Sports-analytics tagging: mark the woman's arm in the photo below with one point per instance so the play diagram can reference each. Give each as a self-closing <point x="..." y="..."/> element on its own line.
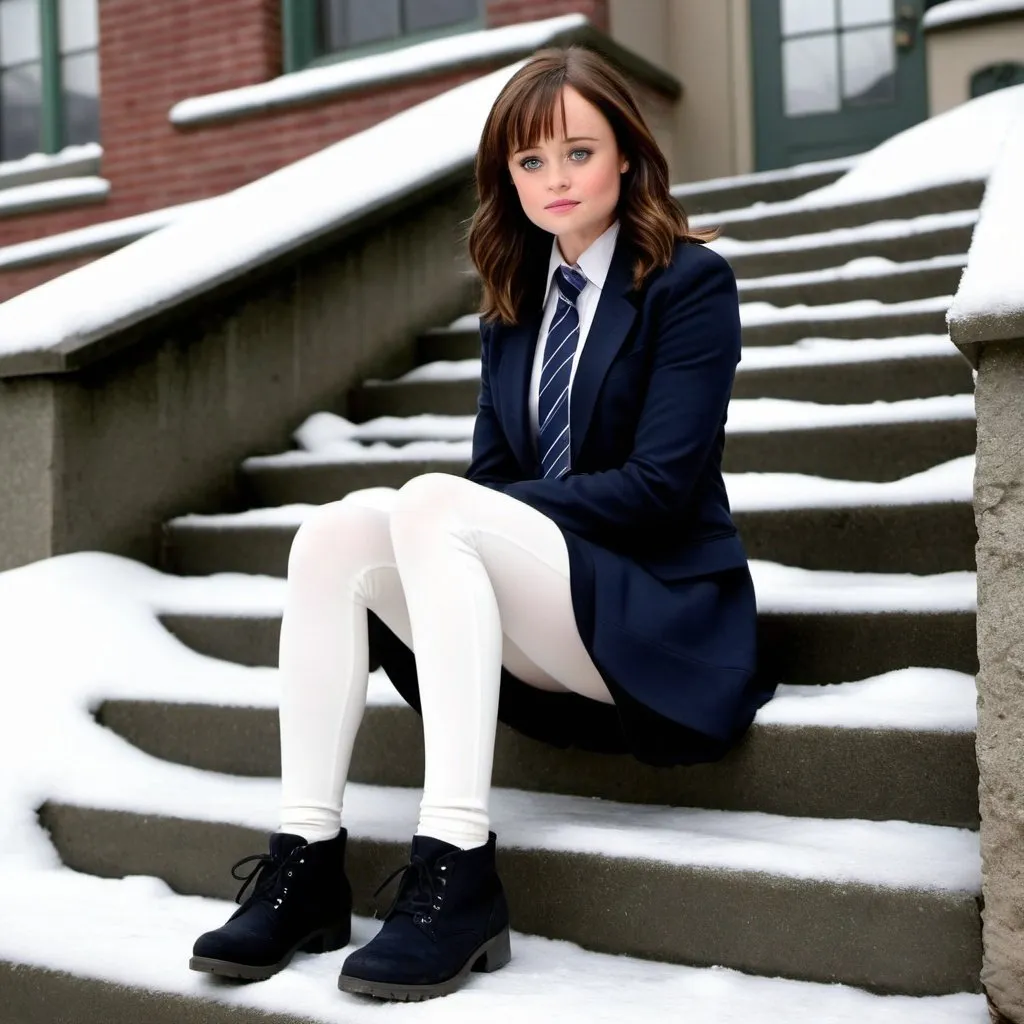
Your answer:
<point x="493" y="463"/>
<point x="696" y="352"/>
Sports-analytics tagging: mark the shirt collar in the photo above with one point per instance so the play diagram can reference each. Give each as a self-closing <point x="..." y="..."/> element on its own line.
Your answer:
<point x="594" y="261"/>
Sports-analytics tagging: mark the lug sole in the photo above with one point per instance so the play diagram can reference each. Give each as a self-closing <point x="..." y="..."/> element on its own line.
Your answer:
<point x="324" y="940"/>
<point x="489" y="956"/>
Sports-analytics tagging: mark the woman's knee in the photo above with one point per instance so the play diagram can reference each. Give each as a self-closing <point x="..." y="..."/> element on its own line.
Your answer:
<point x="340" y="533"/>
<point x="430" y="499"/>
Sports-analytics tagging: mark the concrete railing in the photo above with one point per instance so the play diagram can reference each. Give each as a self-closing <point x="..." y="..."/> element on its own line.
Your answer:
<point x="986" y="322"/>
<point x="150" y="421"/>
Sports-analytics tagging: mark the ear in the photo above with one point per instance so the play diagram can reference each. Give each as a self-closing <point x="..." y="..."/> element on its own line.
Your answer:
<point x="625" y="167"/>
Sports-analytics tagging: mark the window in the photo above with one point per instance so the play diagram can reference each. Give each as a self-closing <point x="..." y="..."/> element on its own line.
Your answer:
<point x="317" y="31"/>
<point x="996" y="76"/>
<point x="49" y="75"/>
<point x="837" y="54"/>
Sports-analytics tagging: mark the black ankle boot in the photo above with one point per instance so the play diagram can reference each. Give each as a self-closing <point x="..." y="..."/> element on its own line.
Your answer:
<point x="301" y="900"/>
<point x="448" y="918"/>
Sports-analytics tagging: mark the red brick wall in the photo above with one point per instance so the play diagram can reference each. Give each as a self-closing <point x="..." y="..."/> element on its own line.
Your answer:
<point x="154" y="53"/>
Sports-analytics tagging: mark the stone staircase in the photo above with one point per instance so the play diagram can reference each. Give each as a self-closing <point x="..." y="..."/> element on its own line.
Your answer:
<point x="838" y="843"/>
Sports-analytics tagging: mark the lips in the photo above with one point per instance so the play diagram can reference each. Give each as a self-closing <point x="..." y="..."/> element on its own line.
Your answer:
<point x="559" y="205"/>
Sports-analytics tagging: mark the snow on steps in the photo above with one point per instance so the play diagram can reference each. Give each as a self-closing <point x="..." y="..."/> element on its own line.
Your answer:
<point x="117" y="967"/>
<point x="876" y="441"/>
<point x="814" y="627"/>
<point x="762" y="323"/>
<point x="800" y="217"/>
<point x="891" y="906"/>
<point x="824" y="370"/>
<point x="896" y="747"/>
<point x="914" y="238"/>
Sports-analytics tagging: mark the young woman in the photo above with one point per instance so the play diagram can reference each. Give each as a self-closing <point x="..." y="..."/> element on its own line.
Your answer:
<point x="583" y="582"/>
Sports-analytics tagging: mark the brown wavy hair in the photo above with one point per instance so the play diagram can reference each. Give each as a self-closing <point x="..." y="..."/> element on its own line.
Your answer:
<point x="504" y="244"/>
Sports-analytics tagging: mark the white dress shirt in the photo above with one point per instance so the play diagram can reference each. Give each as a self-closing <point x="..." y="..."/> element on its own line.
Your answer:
<point x="594" y="262"/>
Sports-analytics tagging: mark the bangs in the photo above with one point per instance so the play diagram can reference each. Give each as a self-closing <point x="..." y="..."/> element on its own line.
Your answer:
<point x="533" y="114"/>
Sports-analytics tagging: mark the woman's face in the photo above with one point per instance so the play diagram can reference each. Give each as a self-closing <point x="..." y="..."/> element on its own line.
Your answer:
<point x="583" y="165"/>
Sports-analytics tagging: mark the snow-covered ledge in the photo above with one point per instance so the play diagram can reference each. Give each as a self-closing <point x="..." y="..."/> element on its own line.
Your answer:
<point x="989" y="303"/>
<point x="447" y="54"/>
<point x="70" y="162"/>
<point x="986" y="321"/>
<point x="958" y="13"/>
<point x="50" y="195"/>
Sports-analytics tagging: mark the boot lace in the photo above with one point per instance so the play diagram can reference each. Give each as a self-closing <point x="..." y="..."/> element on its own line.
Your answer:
<point x="421" y="896"/>
<point x="268" y="870"/>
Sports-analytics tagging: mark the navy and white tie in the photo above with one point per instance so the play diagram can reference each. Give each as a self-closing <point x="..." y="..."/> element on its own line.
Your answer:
<point x="559" y="349"/>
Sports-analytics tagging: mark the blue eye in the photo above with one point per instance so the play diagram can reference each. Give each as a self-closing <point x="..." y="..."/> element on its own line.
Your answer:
<point x="526" y="160"/>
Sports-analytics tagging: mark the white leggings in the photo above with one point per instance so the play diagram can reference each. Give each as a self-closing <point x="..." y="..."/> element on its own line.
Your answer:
<point x="470" y="579"/>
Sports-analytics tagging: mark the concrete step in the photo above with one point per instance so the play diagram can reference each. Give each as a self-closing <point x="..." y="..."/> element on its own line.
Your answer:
<point x="864" y="750"/>
<point x="890" y="906"/>
<point x="917" y="238"/>
<point x="937" y="370"/>
<point x="866" y="451"/>
<point x="805" y="647"/>
<point x="926" y="537"/>
<point x="868" y="279"/>
<point x="714" y="194"/>
<point x="125" y="977"/>
<point x="762" y="325"/>
<point x="798" y="217"/>
<point x="33" y="993"/>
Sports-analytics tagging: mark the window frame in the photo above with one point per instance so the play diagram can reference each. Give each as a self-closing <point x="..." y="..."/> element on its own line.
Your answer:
<point x="298" y="23"/>
<point x="51" y="136"/>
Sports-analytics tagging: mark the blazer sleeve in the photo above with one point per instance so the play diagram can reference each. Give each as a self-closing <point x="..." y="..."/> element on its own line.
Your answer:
<point x="493" y="462"/>
<point x="697" y="347"/>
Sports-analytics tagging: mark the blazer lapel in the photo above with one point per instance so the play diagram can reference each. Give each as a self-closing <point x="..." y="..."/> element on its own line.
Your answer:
<point x="612" y="320"/>
<point x="517" y="345"/>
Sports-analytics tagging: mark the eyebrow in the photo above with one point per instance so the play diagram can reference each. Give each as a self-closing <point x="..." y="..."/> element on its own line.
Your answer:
<point x="575" y="138"/>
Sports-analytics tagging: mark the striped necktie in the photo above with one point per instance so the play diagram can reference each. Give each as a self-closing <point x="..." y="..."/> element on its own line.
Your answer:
<point x="559" y="349"/>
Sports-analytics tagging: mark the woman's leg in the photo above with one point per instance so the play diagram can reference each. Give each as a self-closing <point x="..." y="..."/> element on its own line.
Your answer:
<point x="486" y="582"/>
<point x="341" y="562"/>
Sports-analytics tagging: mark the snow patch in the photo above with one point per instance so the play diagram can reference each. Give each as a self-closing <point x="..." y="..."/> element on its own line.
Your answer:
<point x="991" y="286"/>
<point x="952" y="12"/>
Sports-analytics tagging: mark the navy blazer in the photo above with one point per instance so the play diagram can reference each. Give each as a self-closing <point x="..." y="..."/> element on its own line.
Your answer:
<point x="661" y="589"/>
<point x="647" y="417"/>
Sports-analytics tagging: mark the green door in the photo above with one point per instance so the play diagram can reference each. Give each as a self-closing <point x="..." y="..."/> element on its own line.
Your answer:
<point x="834" y="77"/>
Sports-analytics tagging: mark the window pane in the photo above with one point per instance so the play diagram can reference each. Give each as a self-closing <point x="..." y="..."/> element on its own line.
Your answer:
<point x="810" y="74"/>
<point x="81" y="98"/>
<point x="331" y="25"/>
<point x="869" y="66"/>
<point x="807" y="16"/>
<point x="19" y="31"/>
<point x="79" y="25"/>
<point x="426" y="14"/>
<point x="21" y="108"/>
<point x="372" y="20"/>
<point x="865" y="12"/>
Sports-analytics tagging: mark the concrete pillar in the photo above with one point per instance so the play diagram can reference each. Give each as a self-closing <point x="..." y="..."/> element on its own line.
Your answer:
<point x="999" y="511"/>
